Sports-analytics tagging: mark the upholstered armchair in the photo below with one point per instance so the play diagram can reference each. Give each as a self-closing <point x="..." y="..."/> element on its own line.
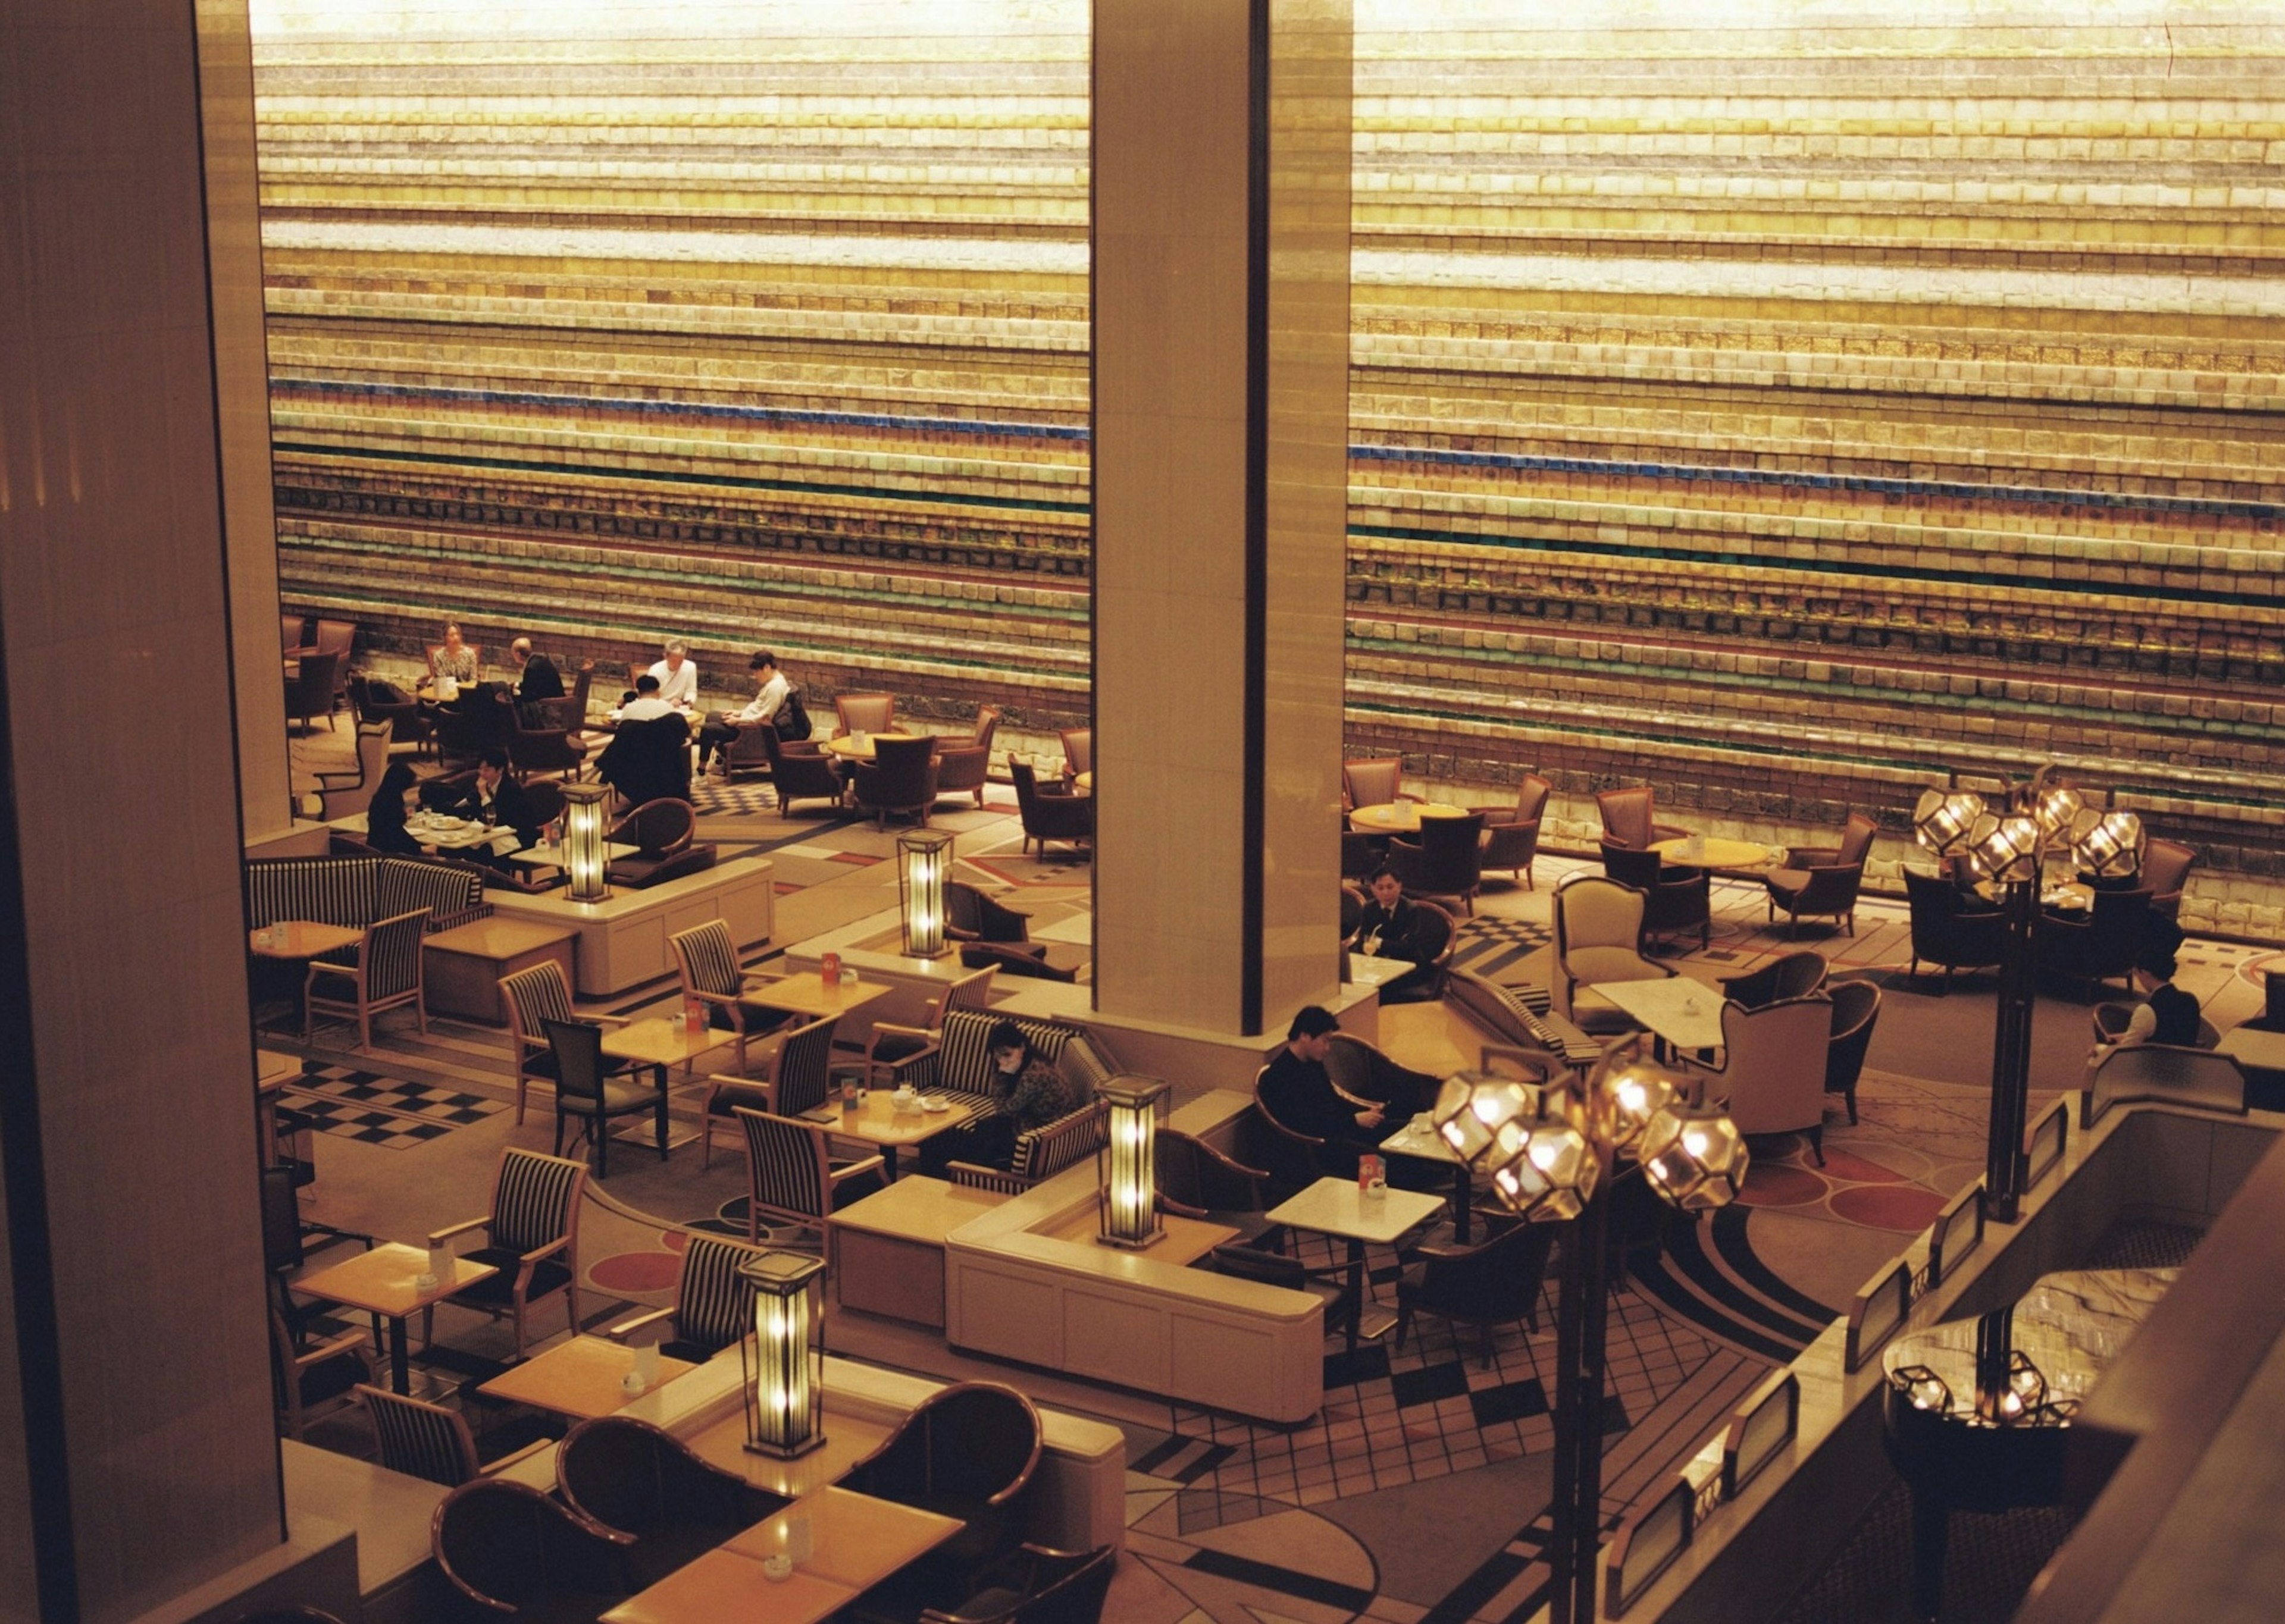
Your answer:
<point x="1599" y="933"/>
<point x="900" y="777"/>
<point x="371" y="700"/>
<point x="1197" y="1180"/>
<point x="972" y="916"/>
<point x="749" y="751"/>
<point x="663" y="833"/>
<point x="870" y="713"/>
<point x="1494" y="1282"/>
<point x="961" y="768"/>
<point x="289" y="632"/>
<point x="1771" y="1078"/>
<point x="1674" y="898"/>
<point x="799" y="774"/>
<point x="2094" y="945"/>
<point x="1050" y="814"/>
<point x="531" y="1236"/>
<point x="337" y="637"/>
<point x="2166" y="864"/>
<point x="1792" y="975"/>
<point x="511" y="1550"/>
<point x="1948" y="934"/>
<point x="1448" y="860"/>
<point x="1855" y="1010"/>
<point x="1630" y="819"/>
<point x="309" y="691"/>
<point x="792" y="1175"/>
<point x="1078" y="751"/>
<point x="1372" y="781"/>
<point x="543" y="748"/>
<point x="1511" y="838"/>
<point x="967" y="1451"/>
<point x="634" y="1477"/>
<point x="1823" y="883"/>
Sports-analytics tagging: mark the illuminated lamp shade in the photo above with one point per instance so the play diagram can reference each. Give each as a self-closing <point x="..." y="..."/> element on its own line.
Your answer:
<point x="1694" y="1157"/>
<point x="783" y="1367"/>
<point x="1475" y="1109"/>
<point x="1944" y="820"/>
<point x="1923" y="1388"/>
<point x="1633" y="1093"/>
<point x="1126" y="1197"/>
<point x="2111" y="847"/>
<point x="585" y="851"/>
<point x="2055" y="810"/>
<point x="922" y="855"/>
<point x="2020" y="1394"/>
<point x="2008" y="849"/>
<point x="1550" y="1175"/>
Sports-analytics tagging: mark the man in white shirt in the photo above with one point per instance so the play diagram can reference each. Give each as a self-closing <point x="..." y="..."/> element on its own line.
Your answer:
<point x="647" y="703"/>
<point x="762" y="712"/>
<point x="678" y="677"/>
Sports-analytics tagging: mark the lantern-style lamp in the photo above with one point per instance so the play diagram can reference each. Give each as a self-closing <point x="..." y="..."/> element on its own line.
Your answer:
<point x="2111" y="846"/>
<point x="1128" y="1199"/>
<point x="1944" y="820"/>
<point x="585" y="849"/>
<point x="1693" y="1156"/>
<point x="1550" y="1177"/>
<point x="782" y="1362"/>
<point x="923" y="856"/>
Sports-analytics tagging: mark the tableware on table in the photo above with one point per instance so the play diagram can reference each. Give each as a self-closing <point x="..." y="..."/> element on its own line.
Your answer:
<point x="777" y="1569"/>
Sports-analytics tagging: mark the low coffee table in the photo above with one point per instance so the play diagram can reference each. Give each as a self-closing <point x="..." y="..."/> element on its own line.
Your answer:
<point x="1748" y="857"/>
<point x="1683" y="1014"/>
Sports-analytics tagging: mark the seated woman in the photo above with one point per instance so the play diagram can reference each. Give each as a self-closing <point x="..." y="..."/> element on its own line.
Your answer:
<point x="1027" y="1092"/>
<point x="1392" y="928"/>
<point x="454" y="658"/>
<point x="396" y="794"/>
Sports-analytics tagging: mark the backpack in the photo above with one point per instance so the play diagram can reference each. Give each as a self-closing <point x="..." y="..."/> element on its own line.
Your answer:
<point x="792" y="721"/>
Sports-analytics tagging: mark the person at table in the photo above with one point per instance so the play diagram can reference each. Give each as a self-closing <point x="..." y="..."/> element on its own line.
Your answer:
<point x="678" y="677"/>
<point x="1027" y="1092"/>
<point x="649" y="758"/>
<point x="1298" y="1093"/>
<point x="1394" y="927"/>
<point x="397" y="793"/>
<point x="497" y="801"/>
<point x="722" y="728"/>
<point x="453" y="658"/>
<point x="644" y="704"/>
<point x="2166" y="1013"/>
<point x="539" y="679"/>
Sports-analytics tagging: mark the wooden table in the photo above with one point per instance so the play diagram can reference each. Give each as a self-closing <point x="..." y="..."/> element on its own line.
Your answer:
<point x="1367" y="970"/>
<point x="807" y="994"/>
<point x="272" y="1072"/>
<point x="447" y="833"/>
<point x="1339" y="1208"/>
<point x="1419" y="1139"/>
<point x="1399" y="817"/>
<point x="663" y="1040"/>
<point x="300" y="938"/>
<point x="460" y="969"/>
<point x="848" y="748"/>
<point x="1683" y="1014"/>
<point x="887" y="1250"/>
<point x="382" y="1282"/>
<point x="1723" y="856"/>
<point x="848" y="1439"/>
<point x="879" y="1124"/>
<point x="580" y="1378"/>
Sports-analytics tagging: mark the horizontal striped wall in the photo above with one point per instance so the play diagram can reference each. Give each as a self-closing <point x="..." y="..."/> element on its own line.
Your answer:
<point x="1774" y="412"/>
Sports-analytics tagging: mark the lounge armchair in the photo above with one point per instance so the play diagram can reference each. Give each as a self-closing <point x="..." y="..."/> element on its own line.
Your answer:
<point x="1373" y="782"/>
<point x="1493" y="1283"/>
<point x="961" y="767"/>
<point x="1674" y="897"/>
<point x="1822" y="884"/>
<point x="1599" y="931"/>
<point x="800" y="773"/>
<point x="1855" y="1010"/>
<point x="1051" y="814"/>
<point x="1511" y="838"/>
<point x="1949" y="934"/>
<point x="1448" y="860"/>
<point x="1630" y="818"/>
<point x="900" y="777"/>
<point x="1771" y="1078"/>
<point x="1792" y="975"/>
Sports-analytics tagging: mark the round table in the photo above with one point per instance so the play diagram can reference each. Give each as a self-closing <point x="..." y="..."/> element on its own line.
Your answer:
<point x="1399" y="817"/>
<point x="1718" y="853"/>
<point x="849" y="748"/>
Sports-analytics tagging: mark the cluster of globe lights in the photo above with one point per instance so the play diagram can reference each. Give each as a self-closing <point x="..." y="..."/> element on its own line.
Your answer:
<point x="1546" y="1146"/>
<point x="2006" y="845"/>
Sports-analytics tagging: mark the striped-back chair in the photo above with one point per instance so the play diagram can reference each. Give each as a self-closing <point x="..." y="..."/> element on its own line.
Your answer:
<point x="713" y="1307"/>
<point x="797" y="1076"/>
<point x="895" y="1049"/>
<point x="962" y="1059"/>
<point x="422" y="1440"/>
<point x="791" y="1174"/>
<point x="531" y="1238"/>
<point x="385" y="974"/>
<point x="707" y="957"/>
<point x="535" y="997"/>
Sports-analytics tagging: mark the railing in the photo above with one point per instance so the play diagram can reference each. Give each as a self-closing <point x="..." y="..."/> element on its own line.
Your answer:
<point x="1956" y="1233"/>
<point x="1879" y="1309"/>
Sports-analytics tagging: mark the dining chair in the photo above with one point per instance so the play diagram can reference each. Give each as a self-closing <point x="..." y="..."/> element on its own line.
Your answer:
<point x="1856" y="1011"/>
<point x="1630" y="818"/>
<point x="1036" y="1585"/>
<point x="797" y="1076"/>
<point x="384" y="973"/>
<point x="967" y="1451"/>
<point x="1512" y="837"/>
<point x="289" y="631"/>
<point x="792" y="1175"/>
<point x="901" y="778"/>
<point x="531" y="1237"/>
<point x="337" y="637"/>
<point x="309" y="1374"/>
<point x="1447" y="859"/>
<point x="342" y="794"/>
<point x="513" y="1551"/>
<point x="1493" y="1283"/>
<point x="706" y="958"/>
<point x="595" y="1088"/>
<point x="713" y="1306"/>
<point x="863" y="712"/>
<point x="1771" y="1078"/>
<point x="895" y="1052"/>
<point x="309" y="691"/>
<point x="1373" y="782"/>
<point x="632" y="1478"/>
<point x="1599" y="933"/>
<point x="535" y="997"/>
<point x="422" y="1440"/>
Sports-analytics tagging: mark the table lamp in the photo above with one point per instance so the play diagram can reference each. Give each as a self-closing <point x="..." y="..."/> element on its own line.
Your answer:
<point x="584" y="847"/>
<point x="781" y="1365"/>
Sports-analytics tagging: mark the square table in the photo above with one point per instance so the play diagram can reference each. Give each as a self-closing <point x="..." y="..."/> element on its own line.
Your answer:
<point x="2259" y="1051"/>
<point x="661" y="1040"/>
<point x="856" y="1539"/>
<point x="1339" y="1208"/>
<point x="806" y="995"/>
<point x="877" y="1122"/>
<point x="1419" y="1139"/>
<point x="1684" y="1013"/>
<point x="1366" y="969"/>
<point x="579" y="1378"/>
<point x="382" y="1282"/>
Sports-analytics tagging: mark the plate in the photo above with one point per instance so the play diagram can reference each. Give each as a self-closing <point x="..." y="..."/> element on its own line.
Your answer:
<point x="935" y="1105"/>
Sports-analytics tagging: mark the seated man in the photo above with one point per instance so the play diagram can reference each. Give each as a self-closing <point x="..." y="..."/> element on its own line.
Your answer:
<point x="540" y="679"/>
<point x="1296" y="1091"/>
<point x="762" y="710"/>
<point x="678" y="677"/>
<point x="644" y="704"/>
<point x="1394" y="928"/>
<point x="497" y="801"/>
<point x="648" y="758"/>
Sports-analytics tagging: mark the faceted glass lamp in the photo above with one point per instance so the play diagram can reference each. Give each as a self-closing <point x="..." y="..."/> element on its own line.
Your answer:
<point x="1944" y="818"/>
<point x="1694" y="1157"/>
<point x="2055" y="809"/>
<point x="1127" y="1198"/>
<point x="1552" y="1174"/>
<point x="1923" y="1388"/>
<point x="782" y="1368"/>
<point x="585" y="851"/>
<point x="2007" y="849"/>
<point x="2112" y="847"/>
<point x="1632" y="1093"/>
<point x="923" y="856"/>
<point x="1472" y="1107"/>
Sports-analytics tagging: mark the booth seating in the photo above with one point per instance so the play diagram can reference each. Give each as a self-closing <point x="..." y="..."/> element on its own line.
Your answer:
<point x="960" y="1061"/>
<point x="356" y="891"/>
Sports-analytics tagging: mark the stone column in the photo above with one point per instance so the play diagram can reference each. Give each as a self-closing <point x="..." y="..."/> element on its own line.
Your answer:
<point x="1221" y="404"/>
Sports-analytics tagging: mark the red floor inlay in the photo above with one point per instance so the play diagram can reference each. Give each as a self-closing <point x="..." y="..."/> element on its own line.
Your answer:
<point x="1777" y="1185"/>
<point x="1904" y="1207"/>
<point x="636" y="1271"/>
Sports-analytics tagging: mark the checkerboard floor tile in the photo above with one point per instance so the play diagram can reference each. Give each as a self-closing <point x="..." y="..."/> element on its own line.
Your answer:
<point x="383" y="1111"/>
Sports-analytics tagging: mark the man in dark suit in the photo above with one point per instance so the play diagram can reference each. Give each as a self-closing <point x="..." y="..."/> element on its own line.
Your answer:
<point x="495" y="799"/>
<point x="540" y="679"/>
<point x="1392" y="927"/>
<point x="1298" y="1093"/>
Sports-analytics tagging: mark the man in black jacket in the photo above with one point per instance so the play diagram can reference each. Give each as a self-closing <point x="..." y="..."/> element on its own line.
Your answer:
<point x="1392" y="927"/>
<point x="540" y="679"/>
<point x="2167" y="1014"/>
<point x="1298" y="1093"/>
<point x="495" y="799"/>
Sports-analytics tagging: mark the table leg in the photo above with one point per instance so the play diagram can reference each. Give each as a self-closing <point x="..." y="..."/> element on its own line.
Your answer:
<point x="400" y="1359"/>
<point x="1356" y="1293"/>
<point x="889" y="1164"/>
<point x="661" y="1070"/>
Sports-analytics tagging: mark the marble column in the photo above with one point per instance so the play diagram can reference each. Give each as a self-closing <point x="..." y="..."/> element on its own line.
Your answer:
<point x="1220" y="408"/>
<point x="137" y="1457"/>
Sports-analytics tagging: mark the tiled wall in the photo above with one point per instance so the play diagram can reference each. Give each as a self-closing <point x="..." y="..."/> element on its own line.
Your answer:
<point x="1774" y="402"/>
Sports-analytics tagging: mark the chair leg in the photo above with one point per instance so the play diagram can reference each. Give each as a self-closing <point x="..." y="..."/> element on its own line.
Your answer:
<point x="559" y="1129"/>
<point x="523" y="1084"/>
<point x="1403" y="1323"/>
<point x="1817" y="1142"/>
<point x="1487" y="1331"/>
<point x="571" y="1307"/>
<point x="1851" y="1097"/>
<point x="598" y="1135"/>
<point x="365" y="1027"/>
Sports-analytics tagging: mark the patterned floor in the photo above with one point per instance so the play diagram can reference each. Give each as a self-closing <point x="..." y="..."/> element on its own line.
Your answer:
<point x="381" y="1111"/>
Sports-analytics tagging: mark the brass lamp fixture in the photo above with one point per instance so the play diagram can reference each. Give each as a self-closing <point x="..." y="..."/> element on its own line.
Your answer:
<point x="782" y="1363"/>
<point x="585" y="849"/>
<point x="923" y="856"/>
<point x="1127" y="1198"/>
<point x="1554" y="1144"/>
<point x="2009" y="841"/>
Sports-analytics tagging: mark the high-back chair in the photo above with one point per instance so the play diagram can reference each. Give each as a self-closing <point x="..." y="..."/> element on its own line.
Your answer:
<point x="634" y="1477"/>
<point x="2166" y="865"/>
<point x="309" y="691"/>
<point x="1035" y="1585"/>
<point x="792" y="1175"/>
<point x="900" y="777"/>
<point x="797" y="1076"/>
<point x="1078" y="750"/>
<point x="535" y="997"/>
<point x="422" y="1440"/>
<point x="1823" y="883"/>
<point x="1789" y="975"/>
<point x="871" y="713"/>
<point x="893" y="1051"/>
<point x="1675" y="897"/>
<point x="1599" y="931"/>
<point x="289" y="631"/>
<point x="1630" y="818"/>
<point x="513" y="1551"/>
<point x="593" y="1087"/>
<point x="706" y="956"/>
<point x="1050" y="816"/>
<point x="342" y="794"/>
<point x="384" y="975"/>
<point x="1511" y="838"/>
<point x="531" y="1236"/>
<point x="1856" y="1011"/>
<point x="712" y="1306"/>
<point x="1448" y="859"/>
<point x="1373" y="782"/>
<point x="1773" y="1072"/>
<point x="1493" y="1283"/>
<point x="966" y="1451"/>
<point x="803" y="774"/>
<point x="1948" y="935"/>
<point x="962" y="768"/>
<point x="337" y="637"/>
<point x="2092" y="946"/>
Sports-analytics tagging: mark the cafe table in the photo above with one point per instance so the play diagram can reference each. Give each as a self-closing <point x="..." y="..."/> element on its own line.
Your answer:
<point x="663" y="1040"/>
<point x="1399" y="817"/>
<point x="301" y="938"/>
<point x="807" y="994"/>
<point x="581" y="1379"/>
<point x="854" y="747"/>
<point x="385" y="1281"/>
<point x="877" y="1122"/>
<point x="1419" y="1139"/>
<point x="1686" y="1014"/>
<point x="1722" y="856"/>
<point x="1336" y="1207"/>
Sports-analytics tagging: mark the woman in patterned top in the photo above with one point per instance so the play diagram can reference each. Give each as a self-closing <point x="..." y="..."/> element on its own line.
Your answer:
<point x="1027" y="1092"/>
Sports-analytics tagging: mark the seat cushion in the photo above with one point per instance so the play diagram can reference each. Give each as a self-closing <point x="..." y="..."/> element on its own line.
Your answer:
<point x="1788" y="882"/>
<point x="753" y="1097"/>
<point x="330" y="1379"/>
<point x="623" y="1094"/>
<point x="500" y="1289"/>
